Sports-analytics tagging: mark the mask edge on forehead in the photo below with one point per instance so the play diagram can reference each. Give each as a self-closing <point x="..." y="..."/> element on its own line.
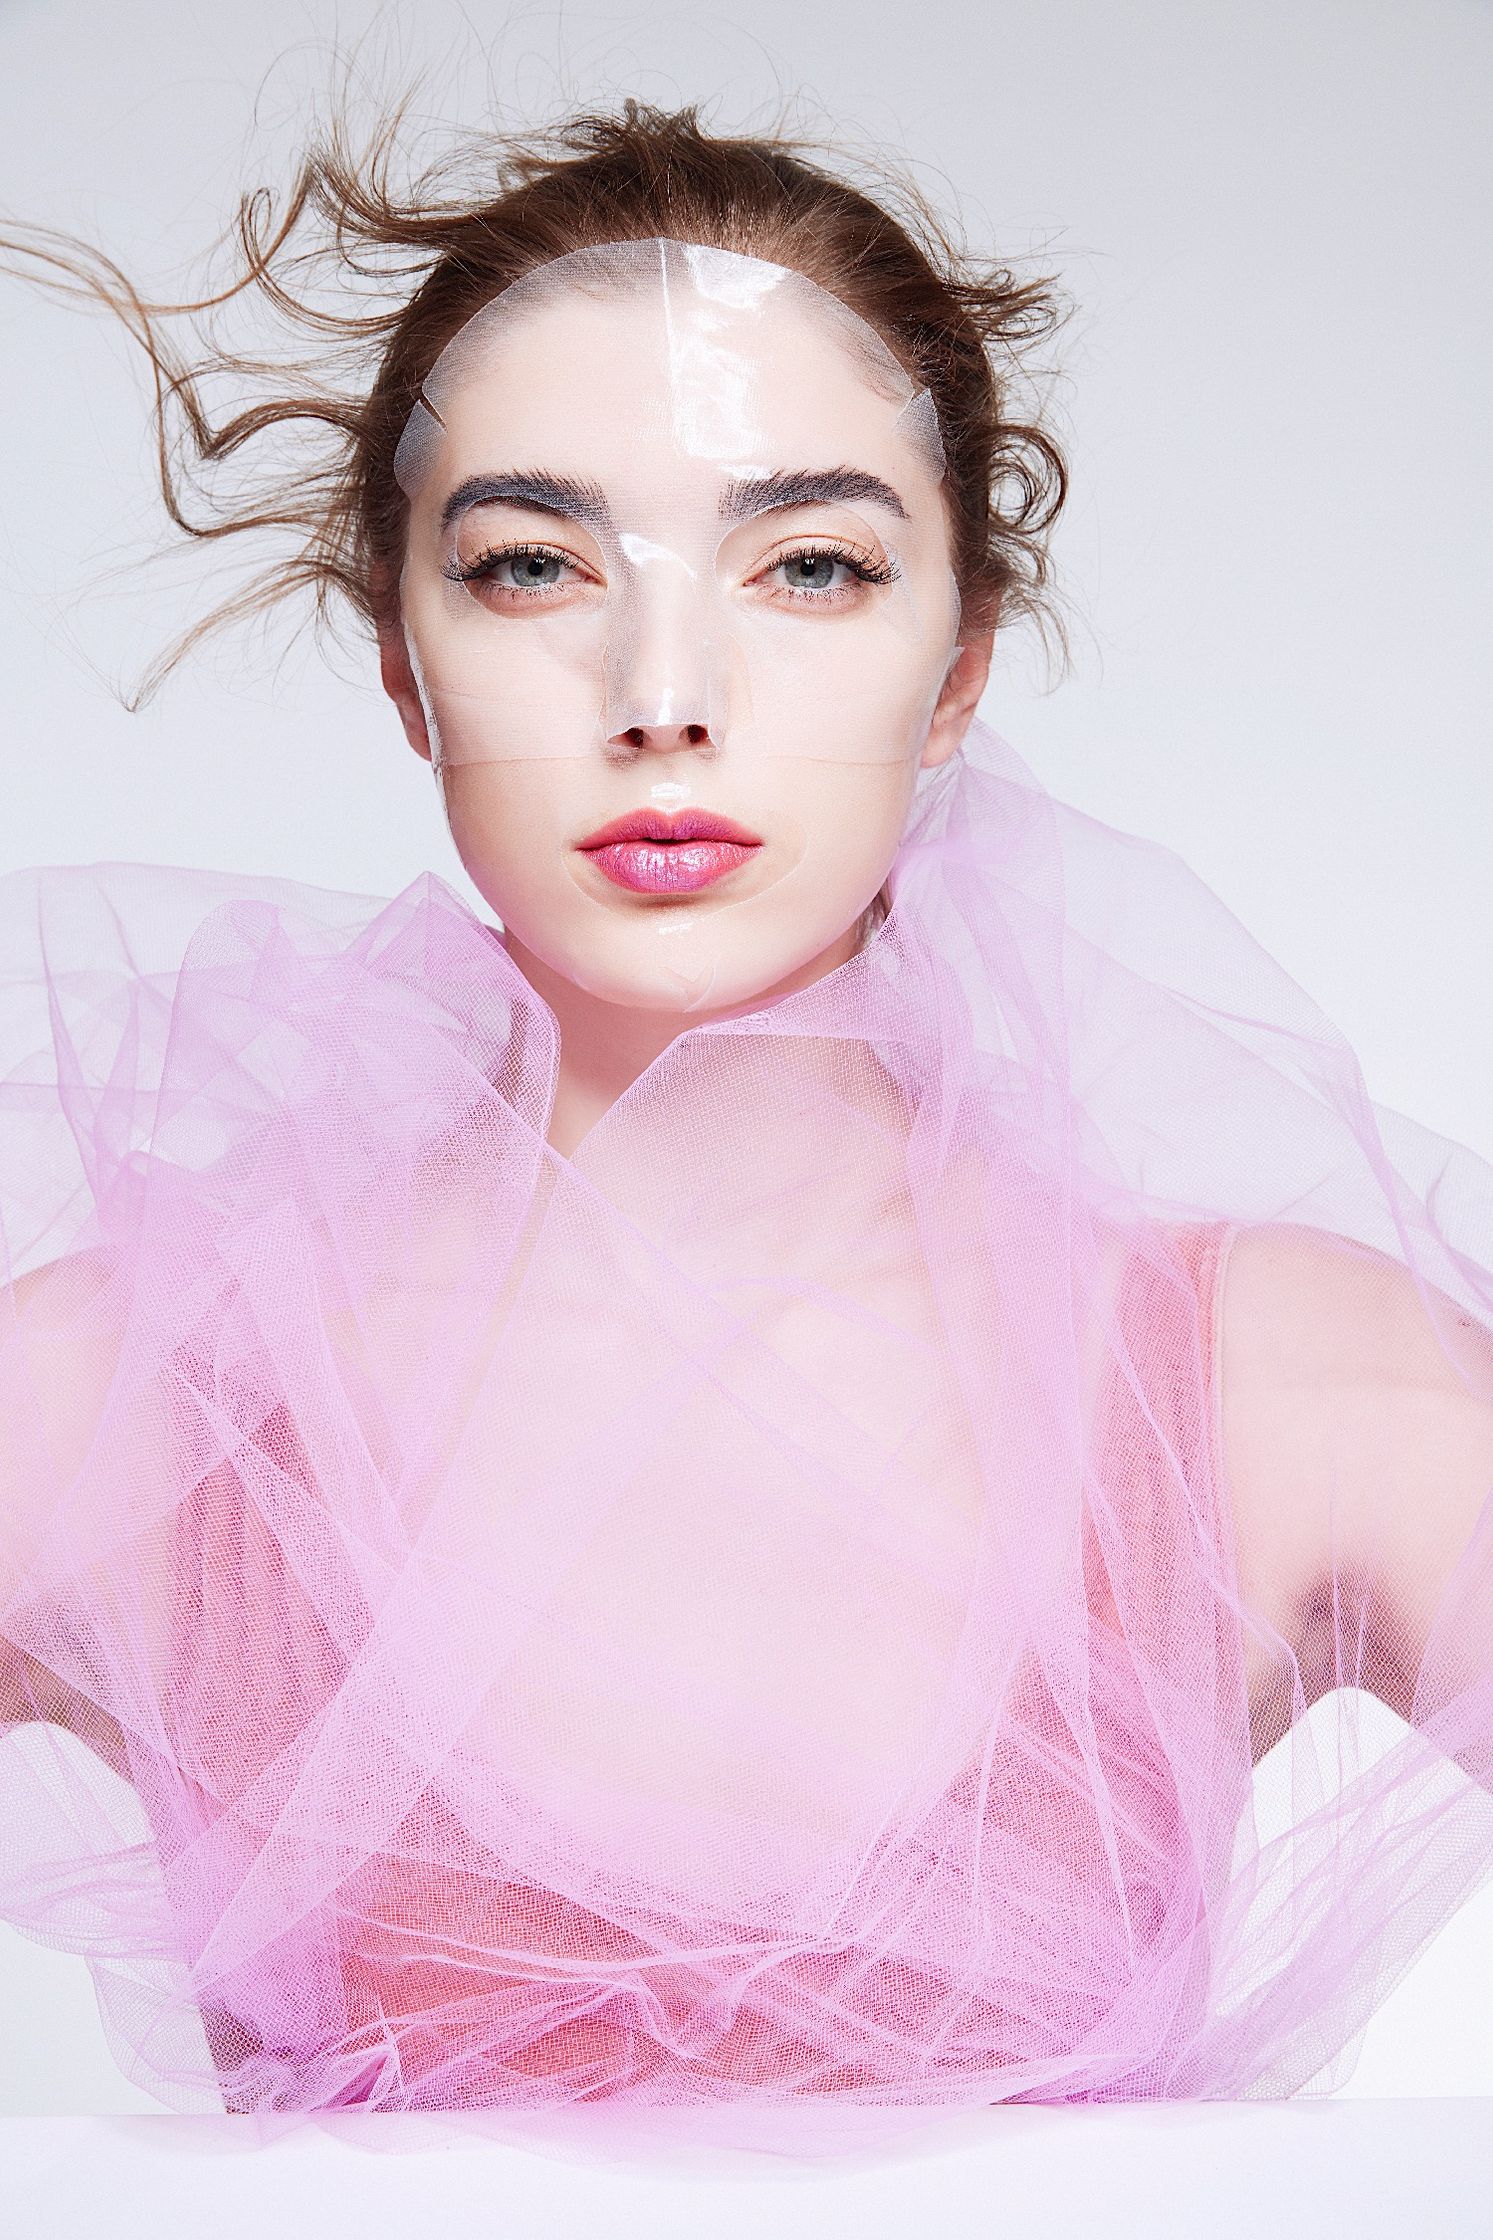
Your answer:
<point x="733" y="279"/>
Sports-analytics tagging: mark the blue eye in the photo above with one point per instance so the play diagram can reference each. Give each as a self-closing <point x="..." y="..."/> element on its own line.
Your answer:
<point x="813" y="575"/>
<point x="825" y="575"/>
<point x="515" y="567"/>
<point x="531" y="570"/>
<point x="811" y="571"/>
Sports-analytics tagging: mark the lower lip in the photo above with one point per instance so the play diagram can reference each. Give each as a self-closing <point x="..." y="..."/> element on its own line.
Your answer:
<point x="669" y="867"/>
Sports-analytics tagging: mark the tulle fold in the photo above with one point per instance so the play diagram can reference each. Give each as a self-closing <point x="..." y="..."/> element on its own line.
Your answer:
<point x="735" y="1636"/>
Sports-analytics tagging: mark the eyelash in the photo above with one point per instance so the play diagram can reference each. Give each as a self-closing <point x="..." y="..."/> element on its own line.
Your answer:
<point x="861" y="565"/>
<point x="486" y="563"/>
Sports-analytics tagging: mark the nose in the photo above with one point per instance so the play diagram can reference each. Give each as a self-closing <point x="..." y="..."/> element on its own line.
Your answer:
<point x="659" y="666"/>
<point x="662" y="737"/>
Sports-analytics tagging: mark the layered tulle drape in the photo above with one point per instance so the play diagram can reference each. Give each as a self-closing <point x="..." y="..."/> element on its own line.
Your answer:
<point x="739" y="1628"/>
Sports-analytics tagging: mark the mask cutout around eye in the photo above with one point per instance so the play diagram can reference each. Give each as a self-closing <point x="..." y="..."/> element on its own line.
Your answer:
<point x="661" y="492"/>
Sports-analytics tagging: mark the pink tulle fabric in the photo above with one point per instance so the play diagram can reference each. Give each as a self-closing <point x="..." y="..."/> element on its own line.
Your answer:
<point x="734" y="1633"/>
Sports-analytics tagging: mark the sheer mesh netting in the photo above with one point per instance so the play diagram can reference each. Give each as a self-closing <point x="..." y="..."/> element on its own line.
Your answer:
<point x="795" y="1617"/>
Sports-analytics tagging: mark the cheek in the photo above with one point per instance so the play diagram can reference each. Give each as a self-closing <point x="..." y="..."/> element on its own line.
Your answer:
<point x="852" y="816"/>
<point x="859" y="688"/>
<point x="497" y="689"/>
<point x="860" y="691"/>
<point x="507" y="821"/>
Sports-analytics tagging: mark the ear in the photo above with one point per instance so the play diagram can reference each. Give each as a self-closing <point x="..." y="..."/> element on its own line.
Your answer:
<point x="966" y="680"/>
<point x="399" y="681"/>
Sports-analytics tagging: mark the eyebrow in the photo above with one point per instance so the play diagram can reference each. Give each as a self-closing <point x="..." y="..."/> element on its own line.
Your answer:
<point x="740" y="500"/>
<point x="546" y="493"/>
<point x="801" y="486"/>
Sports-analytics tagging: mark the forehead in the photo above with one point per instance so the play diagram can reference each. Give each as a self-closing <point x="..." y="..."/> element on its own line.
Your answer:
<point x="600" y="379"/>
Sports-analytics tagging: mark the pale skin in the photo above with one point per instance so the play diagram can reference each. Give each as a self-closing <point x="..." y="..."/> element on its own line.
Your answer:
<point x="1357" y="1415"/>
<point x="1358" y="1445"/>
<point x="871" y="672"/>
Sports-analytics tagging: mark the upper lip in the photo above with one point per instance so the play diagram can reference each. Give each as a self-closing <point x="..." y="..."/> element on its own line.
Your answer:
<point x="654" y="824"/>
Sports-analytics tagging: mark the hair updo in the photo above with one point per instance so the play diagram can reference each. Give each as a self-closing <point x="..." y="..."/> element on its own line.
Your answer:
<point x="371" y="279"/>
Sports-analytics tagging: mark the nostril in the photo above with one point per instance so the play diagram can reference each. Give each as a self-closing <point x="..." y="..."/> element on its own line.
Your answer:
<point x="637" y="735"/>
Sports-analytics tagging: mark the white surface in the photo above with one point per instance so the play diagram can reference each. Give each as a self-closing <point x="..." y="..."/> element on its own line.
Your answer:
<point x="1377" y="2170"/>
<point x="1275" y="215"/>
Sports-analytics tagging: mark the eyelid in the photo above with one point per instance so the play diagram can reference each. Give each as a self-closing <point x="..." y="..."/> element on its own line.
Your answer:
<point x="458" y="570"/>
<point x="870" y="570"/>
<point x="507" y="528"/>
<point x="818" y="523"/>
<point x="838" y="547"/>
<point x="831" y="511"/>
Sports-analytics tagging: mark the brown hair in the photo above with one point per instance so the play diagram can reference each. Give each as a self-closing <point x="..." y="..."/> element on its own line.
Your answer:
<point x="492" y="208"/>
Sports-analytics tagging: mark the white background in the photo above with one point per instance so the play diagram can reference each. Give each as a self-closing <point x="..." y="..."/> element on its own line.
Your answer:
<point x="1275" y="215"/>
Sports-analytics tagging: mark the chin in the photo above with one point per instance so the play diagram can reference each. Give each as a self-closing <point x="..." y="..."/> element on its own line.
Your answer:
<point x="697" y="981"/>
<point x="703" y="968"/>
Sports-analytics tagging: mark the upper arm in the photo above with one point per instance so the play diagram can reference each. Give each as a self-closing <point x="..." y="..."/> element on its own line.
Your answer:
<point x="1357" y="1418"/>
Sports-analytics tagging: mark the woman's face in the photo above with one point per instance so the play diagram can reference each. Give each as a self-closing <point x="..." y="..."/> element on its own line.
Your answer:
<point x="678" y="558"/>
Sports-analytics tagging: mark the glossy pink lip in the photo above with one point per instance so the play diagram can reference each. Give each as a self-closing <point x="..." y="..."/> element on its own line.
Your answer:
<point x="652" y="853"/>
<point x="655" y="824"/>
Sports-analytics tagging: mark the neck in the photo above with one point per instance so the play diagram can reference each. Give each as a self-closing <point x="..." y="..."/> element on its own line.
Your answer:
<point x="605" y="1046"/>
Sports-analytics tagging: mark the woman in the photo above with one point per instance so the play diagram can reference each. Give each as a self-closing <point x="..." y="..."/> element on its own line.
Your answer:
<point x="666" y="1504"/>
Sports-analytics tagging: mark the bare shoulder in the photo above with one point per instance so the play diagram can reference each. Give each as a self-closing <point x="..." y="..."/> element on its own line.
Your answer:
<point x="1303" y="1304"/>
<point x="60" y="1334"/>
<point x="1357" y="1419"/>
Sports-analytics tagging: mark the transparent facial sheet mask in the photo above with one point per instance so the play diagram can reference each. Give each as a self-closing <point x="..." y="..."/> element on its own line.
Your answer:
<point x="662" y="489"/>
